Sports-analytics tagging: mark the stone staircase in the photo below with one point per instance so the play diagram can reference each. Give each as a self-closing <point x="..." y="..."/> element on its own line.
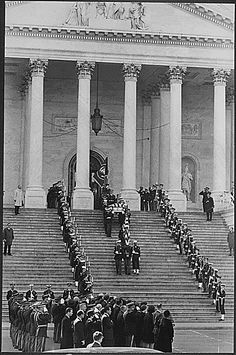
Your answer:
<point x="38" y="254"/>
<point x="211" y="239"/>
<point x="39" y="257"/>
<point x="164" y="277"/>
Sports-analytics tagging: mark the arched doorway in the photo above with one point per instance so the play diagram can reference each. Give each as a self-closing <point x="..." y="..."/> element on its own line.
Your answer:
<point x="192" y="167"/>
<point x="96" y="160"/>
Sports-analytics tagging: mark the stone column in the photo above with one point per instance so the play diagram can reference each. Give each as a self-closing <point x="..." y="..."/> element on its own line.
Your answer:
<point x="146" y="140"/>
<point x="176" y="195"/>
<point x="228" y="137"/>
<point x="82" y="195"/>
<point x="129" y="189"/>
<point x="164" y="135"/>
<point x="219" y="134"/>
<point x="154" y="137"/>
<point x="35" y="196"/>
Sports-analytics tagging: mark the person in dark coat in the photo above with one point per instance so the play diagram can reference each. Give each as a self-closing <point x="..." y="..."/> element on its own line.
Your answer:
<point x="209" y="206"/>
<point x="135" y="257"/>
<point x="203" y="193"/>
<point x="139" y="315"/>
<point x="166" y="334"/>
<point x="79" y="333"/>
<point x="130" y="323"/>
<point x="68" y="293"/>
<point x="67" y="330"/>
<point x="107" y="327"/>
<point x="8" y="236"/>
<point x="58" y="313"/>
<point x="230" y="240"/>
<point x="118" y="256"/>
<point x="148" y="325"/>
<point x="119" y="334"/>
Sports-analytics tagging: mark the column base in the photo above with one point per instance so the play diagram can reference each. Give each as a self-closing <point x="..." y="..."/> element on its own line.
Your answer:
<point x="221" y="200"/>
<point x="178" y="200"/>
<point x="35" y="197"/>
<point x="132" y="198"/>
<point x="82" y="199"/>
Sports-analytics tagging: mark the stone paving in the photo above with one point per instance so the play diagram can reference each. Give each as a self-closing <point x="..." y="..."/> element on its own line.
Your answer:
<point x="191" y="339"/>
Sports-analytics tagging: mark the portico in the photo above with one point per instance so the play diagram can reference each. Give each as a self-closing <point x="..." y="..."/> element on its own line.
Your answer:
<point x="158" y="76"/>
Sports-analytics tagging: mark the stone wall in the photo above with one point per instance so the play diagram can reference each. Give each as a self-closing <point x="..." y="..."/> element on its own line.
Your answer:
<point x="59" y="147"/>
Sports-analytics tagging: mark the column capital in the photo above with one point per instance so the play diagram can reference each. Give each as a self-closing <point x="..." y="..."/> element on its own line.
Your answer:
<point x="84" y="69"/>
<point x="38" y="66"/>
<point x="229" y="95"/>
<point x="220" y="76"/>
<point x="131" y="71"/>
<point x="176" y="73"/>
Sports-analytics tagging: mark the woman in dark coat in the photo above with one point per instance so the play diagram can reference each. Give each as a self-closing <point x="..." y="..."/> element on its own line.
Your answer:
<point x="148" y="325"/>
<point x="166" y="334"/>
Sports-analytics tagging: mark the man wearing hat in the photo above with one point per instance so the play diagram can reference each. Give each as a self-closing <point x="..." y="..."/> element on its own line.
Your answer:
<point x="31" y="294"/>
<point x="221" y="296"/>
<point x="68" y="293"/>
<point x="48" y="296"/>
<point x="203" y="193"/>
<point x="8" y="237"/>
<point x="108" y="220"/>
<point x="118" y="257"/>
<point x="127" y="253"/>
<point x="135" y="257"/>
<point x="12" y="291"/>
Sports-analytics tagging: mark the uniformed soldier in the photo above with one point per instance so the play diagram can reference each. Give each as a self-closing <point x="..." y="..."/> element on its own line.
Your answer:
<point x="127" y="253"/>
<point x="135" y="257"/>
<point x="108" y="221"/>
<point x="48" y="296"/>
<point x="222" y="295"/>
<point x="141" y="193"/>
<point x="118" y="257"/>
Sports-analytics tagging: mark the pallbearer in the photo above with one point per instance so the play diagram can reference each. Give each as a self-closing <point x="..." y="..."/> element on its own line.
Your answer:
<point x="135" y="257"/>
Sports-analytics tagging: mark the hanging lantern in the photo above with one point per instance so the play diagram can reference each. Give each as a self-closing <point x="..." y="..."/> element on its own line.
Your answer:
<point x="96" y="117"/>
<point x="96" y="120"/>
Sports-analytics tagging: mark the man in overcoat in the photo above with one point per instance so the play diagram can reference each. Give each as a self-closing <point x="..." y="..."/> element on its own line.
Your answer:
<point x="8" y="236"/>
<point x="67" y="330"/>
<point x="18" y="198"/>
<point x="230" y="240"/>
<point x="209" y="206"/>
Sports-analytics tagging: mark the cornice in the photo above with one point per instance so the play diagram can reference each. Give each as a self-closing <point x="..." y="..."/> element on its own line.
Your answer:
<point x="15" y="3"/>
<point x="205" y="13"/>
<point x="115" y="36"/>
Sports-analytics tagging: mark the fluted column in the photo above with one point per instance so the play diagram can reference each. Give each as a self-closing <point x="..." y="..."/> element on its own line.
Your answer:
<point x="219" y="135"/>
<point x="146" y="140"/>
<point x="228" y="137"/>
<point x="35" y="196"/>
<point x="178" y="199"/>
<point x="82" y="195"/>
<point x="164" y="147"/>
<point x="154" y="137"/>
<point x="129" y="189"/>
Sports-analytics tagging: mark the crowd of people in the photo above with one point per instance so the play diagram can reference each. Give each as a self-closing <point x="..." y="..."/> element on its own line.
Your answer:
<point x="101" y="320"/>
<point x="209" y="281"/>
<point x="123" y="250"/>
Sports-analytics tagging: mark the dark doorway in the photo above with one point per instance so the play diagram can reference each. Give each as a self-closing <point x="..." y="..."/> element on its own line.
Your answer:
<point x="96" y="160"/>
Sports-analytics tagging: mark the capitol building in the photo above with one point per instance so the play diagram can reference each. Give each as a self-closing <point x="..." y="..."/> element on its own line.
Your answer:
<point x="161" y="75"/>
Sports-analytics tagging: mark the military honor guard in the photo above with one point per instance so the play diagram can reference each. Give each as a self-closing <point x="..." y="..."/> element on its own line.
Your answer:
<point x="31" y="294"/>
<point x="135" y="257"/>
<point x="118" y="257"/>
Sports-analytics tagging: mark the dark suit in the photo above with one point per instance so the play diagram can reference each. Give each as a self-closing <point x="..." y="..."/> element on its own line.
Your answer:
<point x="79" y="335"/>
<point x="8" y="237"/>
<point x="204" y="196"/>
<point x="209" y="205"/>
<point x="66" y="333"/>
<point x="107" y="329"/>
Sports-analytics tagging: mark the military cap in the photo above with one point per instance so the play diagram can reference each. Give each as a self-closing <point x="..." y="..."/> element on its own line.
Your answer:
<point x="223" y="285"/>
<point x="118" y="241"/>
<point x="69" y="283"/>
<point x="48" y="285"/>
<point x="12" y="283"/>
<point x="31" y="285"/>
<point x="130" y="303"/>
